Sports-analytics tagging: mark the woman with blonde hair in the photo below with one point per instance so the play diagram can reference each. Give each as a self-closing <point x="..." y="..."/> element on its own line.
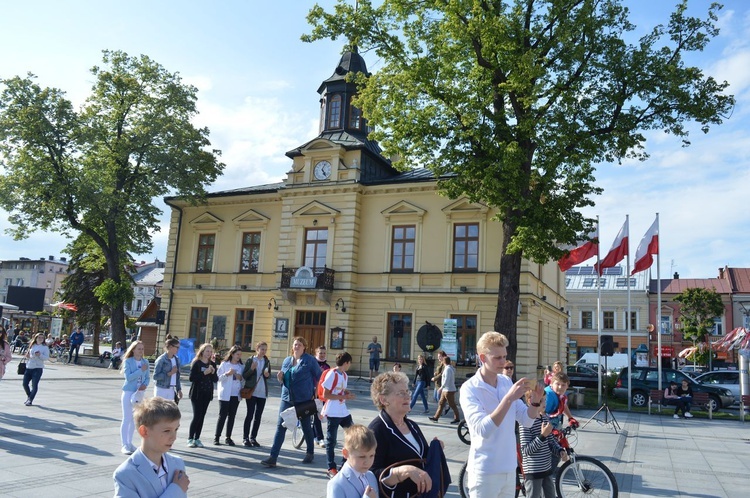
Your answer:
<point x="135" y="368"/>
<point x="202" y="378"/>
<point x="421" y="378"/>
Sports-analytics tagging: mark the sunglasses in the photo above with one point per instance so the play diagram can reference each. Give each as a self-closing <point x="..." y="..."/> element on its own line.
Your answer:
<point x="509" y="368"/>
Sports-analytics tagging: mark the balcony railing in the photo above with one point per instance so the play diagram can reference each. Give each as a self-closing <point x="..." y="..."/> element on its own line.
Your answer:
<point x="325" y="277"/>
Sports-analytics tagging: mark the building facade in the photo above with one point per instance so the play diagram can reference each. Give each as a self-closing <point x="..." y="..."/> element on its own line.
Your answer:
<point x="43" y="273"/>
<point x="148" y="279"/>
<point x="345" y="249"/>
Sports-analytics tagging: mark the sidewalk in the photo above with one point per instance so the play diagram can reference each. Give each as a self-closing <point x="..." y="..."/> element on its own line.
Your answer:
<point x="67" y="445"/>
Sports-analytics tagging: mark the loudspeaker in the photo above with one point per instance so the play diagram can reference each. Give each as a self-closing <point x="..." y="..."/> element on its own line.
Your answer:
<point x="398" y="328"/>
<point x="160" y="316"/>
<point x="607" y="347"/>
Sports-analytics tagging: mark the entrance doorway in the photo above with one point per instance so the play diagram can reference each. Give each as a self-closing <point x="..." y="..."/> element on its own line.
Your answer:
<point x="312" y="326"/>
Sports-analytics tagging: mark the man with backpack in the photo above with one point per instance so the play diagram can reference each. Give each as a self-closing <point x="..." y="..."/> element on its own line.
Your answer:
<point x="332" y="388"/>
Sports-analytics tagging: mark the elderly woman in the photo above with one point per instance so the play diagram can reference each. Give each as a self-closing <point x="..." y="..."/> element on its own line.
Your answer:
<point x="299" y="375"/>
<point x="398" y="438"/>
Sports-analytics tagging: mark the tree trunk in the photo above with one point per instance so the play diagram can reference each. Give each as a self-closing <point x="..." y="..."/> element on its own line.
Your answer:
<point x="508" y="293"/>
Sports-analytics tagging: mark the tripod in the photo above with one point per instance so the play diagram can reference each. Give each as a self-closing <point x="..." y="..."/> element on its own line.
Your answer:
<point x="609" y="417"/>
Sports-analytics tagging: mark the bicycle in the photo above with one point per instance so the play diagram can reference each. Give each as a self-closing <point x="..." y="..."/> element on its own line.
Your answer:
<point x="580" y="475"/>
<point x="463" y="432"/>
<point x="298" y="436"/>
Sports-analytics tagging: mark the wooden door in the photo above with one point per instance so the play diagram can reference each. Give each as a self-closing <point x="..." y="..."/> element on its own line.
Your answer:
<point x="312" y="326"/>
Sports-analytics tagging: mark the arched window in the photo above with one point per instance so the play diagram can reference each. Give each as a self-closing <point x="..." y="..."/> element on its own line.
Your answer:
<point x="334" y="112"/>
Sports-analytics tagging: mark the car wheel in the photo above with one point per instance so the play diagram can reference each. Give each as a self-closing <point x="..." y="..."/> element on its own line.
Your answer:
<point x="639" y="399"/>
<point x="715" y="403"/>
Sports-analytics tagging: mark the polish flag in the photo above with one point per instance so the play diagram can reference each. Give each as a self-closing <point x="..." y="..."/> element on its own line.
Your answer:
<point x="581" y="253"/>
<point x="618" y="251"/>
<point x="644" y="255"/>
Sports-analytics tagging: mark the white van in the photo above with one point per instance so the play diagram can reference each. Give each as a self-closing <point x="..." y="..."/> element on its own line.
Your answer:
<point x="616" y="362"/>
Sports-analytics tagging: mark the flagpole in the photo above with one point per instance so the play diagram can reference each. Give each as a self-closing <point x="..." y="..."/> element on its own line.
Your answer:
<point x="598" y="320"/>
<point x="627" y="315"/>
<point x="658" y="306"/>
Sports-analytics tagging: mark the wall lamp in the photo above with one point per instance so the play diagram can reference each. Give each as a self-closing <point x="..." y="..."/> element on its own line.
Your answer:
<point x="243" y="287"/>
<point x="274" y="305"/>
<point x="463" y="288"/>
<point x="343" y="305"/>
<point x="199" y="286"/>
<point x="399" y="288"/>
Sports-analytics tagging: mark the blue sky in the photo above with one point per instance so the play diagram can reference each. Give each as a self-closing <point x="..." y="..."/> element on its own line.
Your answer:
<point x="257" y="93"/>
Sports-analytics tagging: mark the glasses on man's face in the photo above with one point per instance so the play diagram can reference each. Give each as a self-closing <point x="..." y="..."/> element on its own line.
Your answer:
<point x="403" y="394"/>
<point x="509" y="368"/>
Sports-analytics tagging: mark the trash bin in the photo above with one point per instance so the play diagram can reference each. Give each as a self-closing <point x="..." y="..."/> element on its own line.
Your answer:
<point x="576" y="399"/>
<point x="186" y="353"/>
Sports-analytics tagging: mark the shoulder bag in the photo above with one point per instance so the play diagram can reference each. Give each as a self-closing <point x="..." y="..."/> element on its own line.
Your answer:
<point x="22" y="367"/>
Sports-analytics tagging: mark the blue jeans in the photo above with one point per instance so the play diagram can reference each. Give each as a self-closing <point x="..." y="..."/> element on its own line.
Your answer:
<point x="333" y="429"/>
<point x="32" y="375"/>
<point x="74" y="347"/>
<point x="278" y="439"/>
<point x="419" y="389"/>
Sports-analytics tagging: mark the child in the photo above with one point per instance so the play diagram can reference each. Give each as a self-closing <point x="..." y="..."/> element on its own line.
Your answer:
<point x="229" y="385"/>
<point x="355" y="479"/>
<point x="320" y="355"/>
<point x="538" y="448"/>
<point x="557" y="405"/>
<point x="335" y="395"/>
<point x="397" y="367"/>
<point x="151" y="471"/>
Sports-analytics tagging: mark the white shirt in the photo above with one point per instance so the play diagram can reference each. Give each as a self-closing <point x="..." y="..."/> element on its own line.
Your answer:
<point x="173" y="377"/>
<point x="493" y="448"/>
<point x="260" y="386"/>
<point x="335" y="407"/>
<point x="228" y="385"/>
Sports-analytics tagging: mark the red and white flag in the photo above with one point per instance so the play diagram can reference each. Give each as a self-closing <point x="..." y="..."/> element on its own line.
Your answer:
<point x="649" y="246"/>
<point x="618" y="251"/>
<point x="578" y="255"/>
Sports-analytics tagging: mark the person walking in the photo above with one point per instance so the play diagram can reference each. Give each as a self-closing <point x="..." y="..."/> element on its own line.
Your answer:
<point x="37" y="354"/>
<point x="256" y="373"/>
<point x="448" y="391"/>
<point x="321" y="356"/>
<point x="76" y="341"/>
<point x="437" y="378"/>
<point x="421" y="378"/>
<point x="230" y="383"/>
<point x="202" y="377"/>
<point x="167" y="372"/>
<point x="135" y="369"/>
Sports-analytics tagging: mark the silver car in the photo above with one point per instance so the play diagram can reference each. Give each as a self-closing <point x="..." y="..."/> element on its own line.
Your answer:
<point x="728" y="379"/>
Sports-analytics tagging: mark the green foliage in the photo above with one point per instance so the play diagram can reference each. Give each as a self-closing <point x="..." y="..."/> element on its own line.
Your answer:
<point x="698" y="308"/>
<point x="513" y="103"/>
<point x="114" y="293"/>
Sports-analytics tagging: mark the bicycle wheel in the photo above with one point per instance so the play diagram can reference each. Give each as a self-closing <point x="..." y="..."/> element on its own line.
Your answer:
<point x="298" y="436"/>
<point x="586" y="476"/>
<point x="463" y="481"/>
<point x="463" y="432"/>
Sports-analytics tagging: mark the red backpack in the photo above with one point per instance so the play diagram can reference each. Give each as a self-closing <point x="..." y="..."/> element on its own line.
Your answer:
<point x="321" y="390"/>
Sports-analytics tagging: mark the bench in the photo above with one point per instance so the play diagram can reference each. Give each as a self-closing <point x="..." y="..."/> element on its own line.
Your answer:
<point x="703" y="401"/>
<point x="655" y="396"/>
<point x="744" y="404"/>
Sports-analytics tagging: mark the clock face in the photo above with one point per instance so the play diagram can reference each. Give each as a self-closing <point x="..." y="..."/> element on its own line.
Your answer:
<point x="322" y="170"/>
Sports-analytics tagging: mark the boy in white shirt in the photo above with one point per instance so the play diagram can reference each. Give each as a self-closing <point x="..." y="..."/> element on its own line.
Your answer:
<point x="492" y="404"/>
<point x="334" y="385"/>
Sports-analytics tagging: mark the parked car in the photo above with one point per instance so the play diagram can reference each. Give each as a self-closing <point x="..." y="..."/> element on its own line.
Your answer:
<point x="644" y="379"/>
<point x="728" y="379"/>
<point x="693" y="370"/>
<point x="583" y="376"/>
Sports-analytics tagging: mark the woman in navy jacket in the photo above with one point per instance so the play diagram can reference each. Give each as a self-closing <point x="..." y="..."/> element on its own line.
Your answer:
<point x="299" y="374"/>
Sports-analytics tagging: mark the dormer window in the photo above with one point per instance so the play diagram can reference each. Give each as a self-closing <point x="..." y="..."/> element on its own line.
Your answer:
<point x="334" y="112"/>
<point x="355" y="118"/>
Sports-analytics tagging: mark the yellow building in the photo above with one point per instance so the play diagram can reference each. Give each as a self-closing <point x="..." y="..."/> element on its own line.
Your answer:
<point x="348" y="248"/>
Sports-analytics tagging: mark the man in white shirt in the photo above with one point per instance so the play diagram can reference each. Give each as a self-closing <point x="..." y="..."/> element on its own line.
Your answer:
<point x="492" y="404"/>
<point x="335" y="393"/>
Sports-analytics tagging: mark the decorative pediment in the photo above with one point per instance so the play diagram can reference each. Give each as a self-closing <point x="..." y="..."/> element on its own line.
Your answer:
<point x="316" y="208"/>
<point x="251" y="219"/>
<point x="405" y="210"/>
<point x="464" y="209"/>
<point x="206" y="221"/>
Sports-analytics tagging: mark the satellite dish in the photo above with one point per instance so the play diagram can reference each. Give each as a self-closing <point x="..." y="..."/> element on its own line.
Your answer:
<point x="429" y="337"/>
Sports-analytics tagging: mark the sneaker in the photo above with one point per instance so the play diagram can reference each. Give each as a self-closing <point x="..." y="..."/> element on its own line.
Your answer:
<point x="198" y="443"/>
<point x="321" y="443"/>
<point x="676" y="416"/>
<point x="246" y="442"/>
<point x="228" y="441"/>
<point x="308" y="458"/>
<point x="425" y="412"/>
<point x="434" y="419"/>
<point x="447" y="409"/>
<point x="27" y="402"/>
<point x="217" y="442"/>
<point x="254" y="443"/>
<point x="331" y="473"/>
<point x="268" y="463"/>
<point x="191" y="443"/>
<point x="688" y="415"/>
<point x="125" y="451"/>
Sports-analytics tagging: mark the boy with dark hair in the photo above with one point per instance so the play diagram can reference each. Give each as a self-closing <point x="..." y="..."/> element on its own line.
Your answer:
<point x="355" y="479"/>
<point x="151" y="471"/>
<point x="335" y="394"/>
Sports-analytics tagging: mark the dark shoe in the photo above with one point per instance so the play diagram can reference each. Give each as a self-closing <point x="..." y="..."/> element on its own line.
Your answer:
<point x="268" y="463"/>
<point x="246" y="442"/>
<point x="433" y="419"/>
<point x="447" y="408"/>
<point x="217" y="442"/>
<point x="308" y="458"/>
<point x="254" y="443"/>
<point x="455" y="421"/>
<point x="228" y="441"/>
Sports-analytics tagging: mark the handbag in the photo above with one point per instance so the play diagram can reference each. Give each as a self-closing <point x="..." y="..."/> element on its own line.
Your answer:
<point x="417" y="462"/>
<point x="306" y="408"/>
<point x="22" y="367"/>
<point x="247" y="392"/>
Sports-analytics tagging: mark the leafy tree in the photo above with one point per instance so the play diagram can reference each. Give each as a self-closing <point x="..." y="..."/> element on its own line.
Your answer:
<point x="512" y="103"/>
<point x="698" y="308"/>
<point x="96" y="171"/>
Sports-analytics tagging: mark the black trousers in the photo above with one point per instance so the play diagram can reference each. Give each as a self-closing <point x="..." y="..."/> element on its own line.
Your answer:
<point x="227" y="412"/>
<point x="255" y="408"/>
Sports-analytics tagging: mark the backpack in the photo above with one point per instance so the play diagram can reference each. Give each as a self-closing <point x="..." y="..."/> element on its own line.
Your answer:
<point x="321" y="390"/>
